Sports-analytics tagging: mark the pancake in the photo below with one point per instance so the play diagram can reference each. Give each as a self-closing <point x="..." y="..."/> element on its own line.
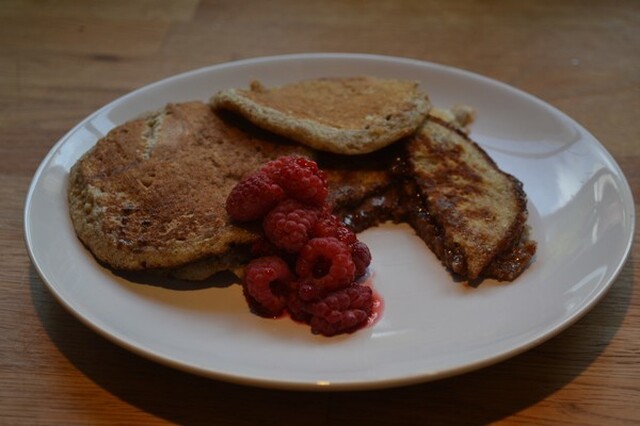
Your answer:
<point x="354" y="115"/>
<point x="151" y="193"/>
<point x="469" y="212"/>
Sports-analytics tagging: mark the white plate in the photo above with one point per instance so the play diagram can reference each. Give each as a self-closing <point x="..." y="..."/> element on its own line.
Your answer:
<point x="581" y="211"/>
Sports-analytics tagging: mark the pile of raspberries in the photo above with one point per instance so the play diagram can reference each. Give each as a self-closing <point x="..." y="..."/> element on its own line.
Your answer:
<point x="308" y="262"/>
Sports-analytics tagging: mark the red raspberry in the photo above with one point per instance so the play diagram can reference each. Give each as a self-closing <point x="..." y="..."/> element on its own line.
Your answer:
<point x="287" y="226"/>
<point x="361" y="257"/>
<point x="308" y="291"/>
<point x="326" y="263"/>
<point x="331" y="226"/>
<point x="266" y="283"/>
<point x="341" y="311"/>
<point x="253" y="197"/>
<point x="300" y="178"/>
<point x="298" y="309"/>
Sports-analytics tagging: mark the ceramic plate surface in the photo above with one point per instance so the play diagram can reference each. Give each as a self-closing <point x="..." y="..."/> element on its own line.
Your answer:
<point x="581" y="214"/>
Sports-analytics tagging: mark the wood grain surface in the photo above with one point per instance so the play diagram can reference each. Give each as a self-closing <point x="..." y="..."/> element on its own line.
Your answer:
<point x="61" y="60"/>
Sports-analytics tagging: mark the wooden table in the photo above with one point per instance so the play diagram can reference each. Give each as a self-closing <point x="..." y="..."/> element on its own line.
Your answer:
<point x="61" y="60"/>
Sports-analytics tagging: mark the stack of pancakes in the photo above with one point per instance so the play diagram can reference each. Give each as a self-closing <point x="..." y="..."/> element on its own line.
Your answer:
<point x="150" y="195"/>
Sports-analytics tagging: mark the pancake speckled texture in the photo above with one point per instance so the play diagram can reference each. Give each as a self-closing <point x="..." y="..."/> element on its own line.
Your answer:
<point x="151" y="193"/>
<point x="355" y="115"/>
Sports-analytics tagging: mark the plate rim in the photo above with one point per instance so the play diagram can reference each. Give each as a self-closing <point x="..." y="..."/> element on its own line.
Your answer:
<point x="626" y="195"/>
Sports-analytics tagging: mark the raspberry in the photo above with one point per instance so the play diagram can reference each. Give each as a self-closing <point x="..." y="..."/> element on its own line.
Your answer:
<point x="326" y="225"/>
<point x="287" y="226"/>
<point x="266" y="283"/>
<point x="331" y="226"/>
<point x="361" y="257"/>
<point x="341" y="311"/>
<point x="308" y="291"/>
<point x="300" y="178"/>
<point x="355" y="296"/>
<point x="326" y="263"/>
<point x="298" y="309"/>
<point x="253" y="197"/>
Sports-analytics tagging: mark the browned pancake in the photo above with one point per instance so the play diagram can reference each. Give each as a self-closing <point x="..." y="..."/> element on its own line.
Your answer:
<point x="359" y="186"/>
<point x="151" y="193"/>
<point x="470" y="213"/>
<point x="354" y="115"/>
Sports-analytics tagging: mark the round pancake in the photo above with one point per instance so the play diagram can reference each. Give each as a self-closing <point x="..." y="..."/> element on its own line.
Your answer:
<point x="352" y="116"/>
<point x="151" y="193"/>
